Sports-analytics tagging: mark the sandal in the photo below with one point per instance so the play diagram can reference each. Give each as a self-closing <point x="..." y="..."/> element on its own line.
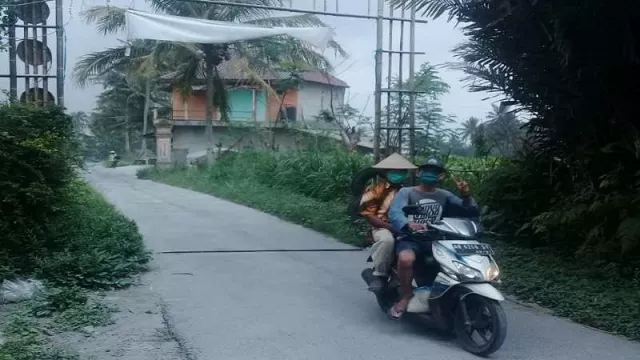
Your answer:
<point x="394" y="313"/>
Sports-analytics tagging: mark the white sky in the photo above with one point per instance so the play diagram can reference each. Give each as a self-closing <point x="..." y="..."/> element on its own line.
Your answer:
<point x="357" y="36"/>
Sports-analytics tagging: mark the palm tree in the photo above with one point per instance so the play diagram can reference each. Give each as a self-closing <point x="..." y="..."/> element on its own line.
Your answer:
<point x="196" y="60"/>
<point x="469" y="128"/>
<point x="142" y="66"/>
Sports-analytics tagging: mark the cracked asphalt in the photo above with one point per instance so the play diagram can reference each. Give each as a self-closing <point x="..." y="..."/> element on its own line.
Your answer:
<point x="296" y="305"/>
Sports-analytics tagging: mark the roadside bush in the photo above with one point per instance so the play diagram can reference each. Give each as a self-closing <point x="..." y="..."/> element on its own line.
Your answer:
<point x="37" y="158"/>
<point x="323" y="176"/>
<point x="96" y="247"/>
<point x="52" y="224"/>
<point x="547" y="205"/>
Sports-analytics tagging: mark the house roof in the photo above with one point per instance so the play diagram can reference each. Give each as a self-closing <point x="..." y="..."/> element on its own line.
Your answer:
<point x="238" y="70"/>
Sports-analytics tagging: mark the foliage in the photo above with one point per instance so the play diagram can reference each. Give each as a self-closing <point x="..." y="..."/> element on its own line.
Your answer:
<point x="38" y="156"/>
<point x="58" y="229"/>
<point x="97" y="247"/>
<point x="117" y="122"/>
<point x="26" y="340"/>
<point x="430" y="122"/>
<point x="323" y="176"/>
<point x="53" y="224"/>
<point x="575" y="185"/>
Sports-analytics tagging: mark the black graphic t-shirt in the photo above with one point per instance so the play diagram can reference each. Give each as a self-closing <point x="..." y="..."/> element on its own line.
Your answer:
<point x="434" y="205"/>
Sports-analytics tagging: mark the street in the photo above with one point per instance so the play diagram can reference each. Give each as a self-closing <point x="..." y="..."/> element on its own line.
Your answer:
<point x="296" y="305"/>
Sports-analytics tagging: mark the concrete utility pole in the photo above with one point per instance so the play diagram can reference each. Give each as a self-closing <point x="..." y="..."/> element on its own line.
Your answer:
<point x="60" y="51"/>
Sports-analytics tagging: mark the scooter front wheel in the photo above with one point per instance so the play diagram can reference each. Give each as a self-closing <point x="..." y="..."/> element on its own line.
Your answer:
<point x="486" y="329"/>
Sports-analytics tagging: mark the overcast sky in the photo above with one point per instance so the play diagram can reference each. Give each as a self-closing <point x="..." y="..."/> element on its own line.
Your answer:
<point x="357" y="36"/>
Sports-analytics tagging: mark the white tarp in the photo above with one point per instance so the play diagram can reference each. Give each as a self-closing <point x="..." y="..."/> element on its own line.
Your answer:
<point x="143" y="25"/>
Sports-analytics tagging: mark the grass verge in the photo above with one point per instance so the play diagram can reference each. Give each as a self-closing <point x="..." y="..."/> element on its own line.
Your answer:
<point x="90" y="246"/>
<point x="539" y="276"/>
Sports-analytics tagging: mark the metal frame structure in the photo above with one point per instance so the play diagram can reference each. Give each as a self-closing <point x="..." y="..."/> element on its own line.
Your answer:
<point x="33" y="50"/>
<point x="324" y="9"/>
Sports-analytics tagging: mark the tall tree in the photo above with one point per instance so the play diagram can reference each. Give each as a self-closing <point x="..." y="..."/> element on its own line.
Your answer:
<point x="194" y="61"/>
<point x="469" y="128"/>
<point x="142" y="60"/>
<point x="576" y="186"/>
<point x="429" y="119"/>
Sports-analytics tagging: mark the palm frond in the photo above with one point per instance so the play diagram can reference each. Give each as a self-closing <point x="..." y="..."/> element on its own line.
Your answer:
<point x="431" y="8"/>
<point x="110" y="19"/>
<point x="96" y="64"/>
<point x="304" y="20"/>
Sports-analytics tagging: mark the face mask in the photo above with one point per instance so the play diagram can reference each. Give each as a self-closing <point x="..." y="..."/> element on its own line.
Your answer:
<point x="396" y="177"/>
<point x="429" y="178"/>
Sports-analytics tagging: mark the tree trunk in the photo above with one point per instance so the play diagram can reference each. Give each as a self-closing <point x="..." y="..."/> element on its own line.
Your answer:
<point x="209" y="61"/>
<point x="344" y="134"/>
<point x="145" y="116"/>
<point x="127" y="143"/>
<point x="275" y="125"/>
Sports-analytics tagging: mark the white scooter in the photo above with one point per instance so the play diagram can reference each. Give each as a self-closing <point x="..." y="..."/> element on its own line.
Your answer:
<point x="462" y="298"/>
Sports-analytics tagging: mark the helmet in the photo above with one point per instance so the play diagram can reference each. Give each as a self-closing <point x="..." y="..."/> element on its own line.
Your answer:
<point x="433" y="163"/>
<point x="112" y="152"/>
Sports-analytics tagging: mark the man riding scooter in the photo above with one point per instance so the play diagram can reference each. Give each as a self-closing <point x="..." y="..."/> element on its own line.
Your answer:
<point x="374" y="206"/>
<point x="434" y="203"/>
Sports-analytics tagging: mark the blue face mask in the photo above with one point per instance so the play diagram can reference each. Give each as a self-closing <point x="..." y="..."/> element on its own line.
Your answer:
<point x="396" y="177"/>
<point x="429" y="178"/>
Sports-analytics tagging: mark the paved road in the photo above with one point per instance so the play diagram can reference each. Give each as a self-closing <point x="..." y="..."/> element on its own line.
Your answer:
<point x="292" y="306"/>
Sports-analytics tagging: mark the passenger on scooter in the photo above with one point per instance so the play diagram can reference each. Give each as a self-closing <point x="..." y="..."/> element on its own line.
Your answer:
<point x="435" y="203"/>
<point x="374" y="206"/>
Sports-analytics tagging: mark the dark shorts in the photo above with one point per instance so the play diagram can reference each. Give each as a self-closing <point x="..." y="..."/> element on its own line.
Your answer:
<point x="424" y="274"/>
<point x="418" y="247"/>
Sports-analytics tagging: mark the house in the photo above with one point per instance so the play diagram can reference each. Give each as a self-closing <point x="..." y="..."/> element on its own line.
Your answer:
<point x="253" y="108"/>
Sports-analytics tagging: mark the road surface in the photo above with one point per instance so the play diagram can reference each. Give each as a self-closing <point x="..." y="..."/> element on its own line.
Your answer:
<point x="296" y="305"/>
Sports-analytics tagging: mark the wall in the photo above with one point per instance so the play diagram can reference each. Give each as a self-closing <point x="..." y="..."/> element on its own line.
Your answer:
<point x="193" y="138"/>
<point x="194" y="108"/>
<point x="314" y="98"/>
<point x="273" y="107"/>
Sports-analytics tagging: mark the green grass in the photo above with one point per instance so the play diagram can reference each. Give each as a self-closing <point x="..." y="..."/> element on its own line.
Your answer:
<point x="559" y="284"/>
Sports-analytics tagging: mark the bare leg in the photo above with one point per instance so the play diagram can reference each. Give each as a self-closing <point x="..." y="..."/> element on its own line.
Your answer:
<point x="406" y="259"/>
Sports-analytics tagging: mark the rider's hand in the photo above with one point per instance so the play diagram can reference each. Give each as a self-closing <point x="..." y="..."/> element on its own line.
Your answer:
<point x="416" y="227"/>
<point x="463" y="187"/>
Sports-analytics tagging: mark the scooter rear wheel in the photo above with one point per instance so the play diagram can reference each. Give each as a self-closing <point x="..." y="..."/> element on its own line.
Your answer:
<point x="484" y="314"/>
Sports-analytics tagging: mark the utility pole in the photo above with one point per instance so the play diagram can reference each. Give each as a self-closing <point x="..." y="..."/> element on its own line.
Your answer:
<point x="60" y="50"/>
<point x="412" y="94"/>
<point x="378" y="89"/>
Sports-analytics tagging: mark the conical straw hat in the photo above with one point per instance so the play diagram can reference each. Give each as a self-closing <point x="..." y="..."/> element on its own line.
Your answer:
<point x="395" y="161"/>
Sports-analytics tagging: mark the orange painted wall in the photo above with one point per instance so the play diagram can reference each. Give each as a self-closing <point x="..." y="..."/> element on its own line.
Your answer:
<point x="291" y="99"/>
<point x="194" y="106"/>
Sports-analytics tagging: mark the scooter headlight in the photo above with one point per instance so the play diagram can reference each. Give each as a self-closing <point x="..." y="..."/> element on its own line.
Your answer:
<point x="466" y="272"/>
<point x="493" y="273"/>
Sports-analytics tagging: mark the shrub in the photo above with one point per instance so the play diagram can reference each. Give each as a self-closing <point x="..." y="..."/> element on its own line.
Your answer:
<point x="95" y="246"/>
<point x="547" y="205"/>
<point x="37" y="154"/>
<point x="320" y="175"/>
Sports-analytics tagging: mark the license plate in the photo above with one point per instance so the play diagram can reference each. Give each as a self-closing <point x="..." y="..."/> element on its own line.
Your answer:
<point x="472" y="249"/>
